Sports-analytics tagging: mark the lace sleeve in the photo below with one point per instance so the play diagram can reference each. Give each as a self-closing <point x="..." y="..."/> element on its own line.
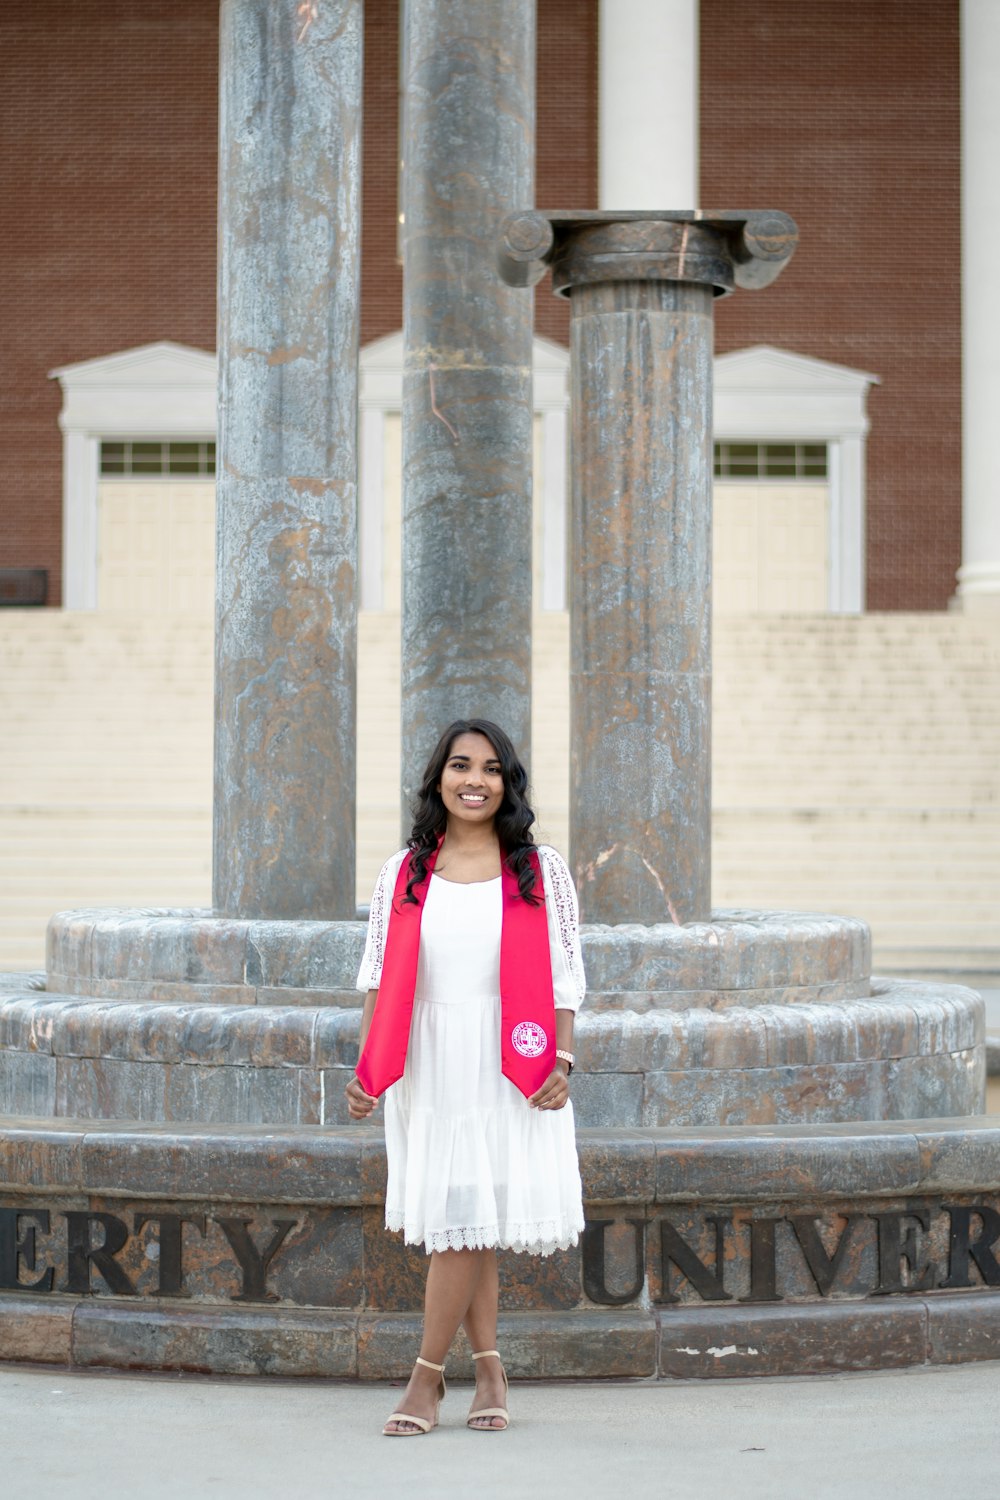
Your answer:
<point x="370" y="972"/>
<point x="568" y="979"/>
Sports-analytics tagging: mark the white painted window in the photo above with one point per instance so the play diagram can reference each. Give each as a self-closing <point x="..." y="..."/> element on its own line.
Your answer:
<point x="162" y="394"/>
<point x="807" y="553"/>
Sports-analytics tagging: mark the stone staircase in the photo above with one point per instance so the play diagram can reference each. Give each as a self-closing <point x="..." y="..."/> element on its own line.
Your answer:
<point x="856" y="770"/>
<point x="105" y="767"/>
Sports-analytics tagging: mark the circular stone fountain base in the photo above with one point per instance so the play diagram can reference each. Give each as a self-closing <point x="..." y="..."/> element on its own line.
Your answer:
<point x="250" y="1250"/>
<point x="752" y="1018"/>
<point x="766" y="1190"/>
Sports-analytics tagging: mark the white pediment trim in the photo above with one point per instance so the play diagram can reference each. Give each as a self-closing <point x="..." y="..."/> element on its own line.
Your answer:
<point x="155" y="390"/>
<point x="763" y="364"/>
<point x="763" y="392"/>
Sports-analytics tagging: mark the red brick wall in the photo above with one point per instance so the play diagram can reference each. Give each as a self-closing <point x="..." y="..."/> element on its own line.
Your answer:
<point x="107" y="238"/>
<point x="843" y="112"/>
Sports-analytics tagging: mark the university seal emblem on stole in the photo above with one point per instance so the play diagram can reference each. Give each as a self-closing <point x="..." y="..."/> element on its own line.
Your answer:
<point x="529" y="1039"/>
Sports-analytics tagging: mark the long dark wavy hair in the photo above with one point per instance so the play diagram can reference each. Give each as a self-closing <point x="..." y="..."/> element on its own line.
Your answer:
<point x="513" y="820"/>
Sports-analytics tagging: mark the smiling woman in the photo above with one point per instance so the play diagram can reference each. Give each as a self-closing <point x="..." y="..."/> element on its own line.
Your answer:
<point x="473" y="973"/>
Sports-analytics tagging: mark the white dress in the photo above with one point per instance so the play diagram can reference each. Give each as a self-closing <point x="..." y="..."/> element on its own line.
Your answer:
<point x="470" y="1164"/>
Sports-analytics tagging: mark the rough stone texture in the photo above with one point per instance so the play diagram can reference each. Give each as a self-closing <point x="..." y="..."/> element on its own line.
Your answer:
<point x="740" y="958"/>
<point x="244" y="1163"/>
<point x="608" y="1096"/>
<point x="711" y="1342"/>
<point x="736" y="958"/>
<point x="27" y="1084"/>
<point x="164" y="955"/>
<point x="348" y="1295"/>
<point x="617" y="1343"/>
<point x="675" y="1343"/>
<point x="906" y="1050"/>
<point x="962" y="1328"/>
<point x="841" y="1161"/>
<point x="37" y="1329"/>
<point x="640" y="664"/>
<point x="641" y="288"/>
<point x="232" y="1341"/>
<point x="234" y="1164"/>
<point x="286" y="527"/>
<point x="469" y="151"/>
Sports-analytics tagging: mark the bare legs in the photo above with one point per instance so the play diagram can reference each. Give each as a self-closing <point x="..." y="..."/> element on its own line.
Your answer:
<point x="480" y="1324"/>
<point x="462" y="1288"/>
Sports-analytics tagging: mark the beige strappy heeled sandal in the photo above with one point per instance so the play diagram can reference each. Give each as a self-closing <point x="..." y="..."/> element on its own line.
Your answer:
<point x="490" y="1411"/>
<point x="420" y="1423"/>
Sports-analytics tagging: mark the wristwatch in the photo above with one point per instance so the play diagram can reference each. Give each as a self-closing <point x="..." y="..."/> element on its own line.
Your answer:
<point x="567" y="1057"/>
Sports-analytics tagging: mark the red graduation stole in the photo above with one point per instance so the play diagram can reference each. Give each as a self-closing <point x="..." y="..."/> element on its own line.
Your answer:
<point x="527" y="1006"/>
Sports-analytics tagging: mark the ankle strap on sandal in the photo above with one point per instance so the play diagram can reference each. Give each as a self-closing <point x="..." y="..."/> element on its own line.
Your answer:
<point x="487" y="1354"/>
<point x="421" y="1361"/>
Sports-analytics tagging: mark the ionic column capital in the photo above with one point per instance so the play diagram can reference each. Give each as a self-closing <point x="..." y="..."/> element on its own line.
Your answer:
<point x="723" y="249"/>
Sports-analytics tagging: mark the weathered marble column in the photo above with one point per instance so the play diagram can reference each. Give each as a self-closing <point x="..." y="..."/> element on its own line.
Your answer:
<point x="467" y="450"/>
<point x="289" y="220"/>
<point x="641" y="288"/>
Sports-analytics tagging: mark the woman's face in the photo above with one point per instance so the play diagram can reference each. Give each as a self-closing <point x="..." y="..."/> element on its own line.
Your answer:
<point x="471" y="784"/>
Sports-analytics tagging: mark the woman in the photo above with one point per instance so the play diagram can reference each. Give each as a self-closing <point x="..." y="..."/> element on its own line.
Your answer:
<point x="473" y="972"/>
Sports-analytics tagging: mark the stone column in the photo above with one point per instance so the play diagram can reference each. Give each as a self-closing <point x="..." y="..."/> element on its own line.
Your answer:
<point x="467" y="411"/>
<point x="641" y="288"/>
<point x="979" y="575"/>
<point x="647" y="126"/>
<point x="289" y="216"/>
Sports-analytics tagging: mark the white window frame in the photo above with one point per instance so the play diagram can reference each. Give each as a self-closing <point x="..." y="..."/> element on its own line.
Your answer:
<point x="768" y="395"/>
<point x="168" y="390"/>
<point x="161" y="390"/>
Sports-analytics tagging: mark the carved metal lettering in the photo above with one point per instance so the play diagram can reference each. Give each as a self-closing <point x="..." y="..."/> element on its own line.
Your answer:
<point x="961" y="1245"/>
<point x="81" y="1254"/>
<point x="823" y="1267"/>
<point x="253" y="1262"/>
<point x="763" y="1270"/>
<point x="14" y="1252"/>
<point x="594" y="1284"/>
<point x="896" y="1247"/>
<point x="674" y="1249"/>
<point x="170" y="1239"/>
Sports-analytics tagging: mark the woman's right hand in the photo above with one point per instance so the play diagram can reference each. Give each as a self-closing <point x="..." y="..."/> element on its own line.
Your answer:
<point x="359" y="1103"/>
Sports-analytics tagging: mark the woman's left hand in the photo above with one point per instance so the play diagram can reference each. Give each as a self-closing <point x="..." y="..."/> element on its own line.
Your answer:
<point x="553" y="1093"/>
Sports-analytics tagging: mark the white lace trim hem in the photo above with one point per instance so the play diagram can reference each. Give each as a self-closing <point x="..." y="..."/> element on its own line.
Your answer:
<point x="534" y="1239"/>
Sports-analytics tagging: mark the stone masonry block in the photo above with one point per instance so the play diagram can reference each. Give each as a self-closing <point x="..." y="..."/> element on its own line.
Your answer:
<point x="36" y="1329"/>
<point x="605" y="1098"/>
<point x="317" y="956"/>
<point x="706" y="1342"/>
<point x="27" y="1084"/>
<point x="962" y="1328"/>
<point x="785" y="1162"/>
<point x="227" y="1341"/>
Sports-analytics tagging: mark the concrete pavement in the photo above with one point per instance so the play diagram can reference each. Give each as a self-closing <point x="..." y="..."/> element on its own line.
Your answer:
<point x="914" y="1433"/>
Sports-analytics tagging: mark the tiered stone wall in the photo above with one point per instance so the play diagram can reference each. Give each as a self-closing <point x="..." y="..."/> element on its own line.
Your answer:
<point x="707" y="1253"/>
